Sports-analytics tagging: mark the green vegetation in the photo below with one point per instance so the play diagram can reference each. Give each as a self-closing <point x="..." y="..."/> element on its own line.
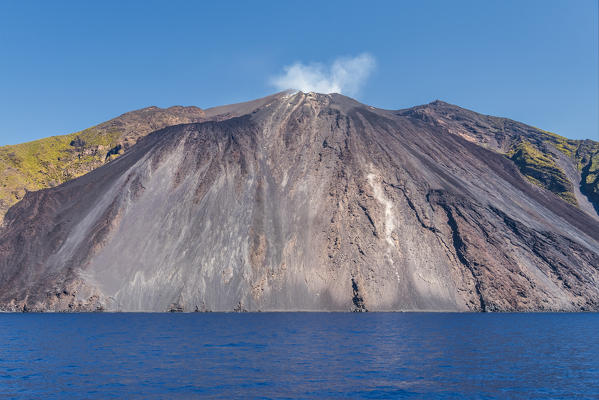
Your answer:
<point x="593" y="166"/>
<point x="565" y="145"/>
<point x="590" y="178"/>
<point x="51" y="161"/>
<point x="541" y="169"/>
<point x="537" y="164"/>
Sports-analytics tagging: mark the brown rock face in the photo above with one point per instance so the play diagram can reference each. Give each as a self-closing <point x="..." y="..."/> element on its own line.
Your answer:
<point x="302" y="202"/>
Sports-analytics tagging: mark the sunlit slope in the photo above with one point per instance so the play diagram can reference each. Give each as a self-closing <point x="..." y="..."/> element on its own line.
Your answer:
<point x="54" y="160"/>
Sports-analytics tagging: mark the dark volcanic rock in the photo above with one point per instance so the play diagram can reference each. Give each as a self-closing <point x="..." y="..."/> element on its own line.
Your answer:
<point x="302" y="202"/>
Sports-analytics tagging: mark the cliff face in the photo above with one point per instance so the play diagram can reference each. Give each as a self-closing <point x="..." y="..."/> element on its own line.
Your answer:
<point x="304" y="202"/>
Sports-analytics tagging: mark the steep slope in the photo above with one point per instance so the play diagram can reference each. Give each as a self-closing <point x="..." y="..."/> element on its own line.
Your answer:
<point x="301" y="202"/>
<point x="51" y="161"/>
<point x="564" y="166"/>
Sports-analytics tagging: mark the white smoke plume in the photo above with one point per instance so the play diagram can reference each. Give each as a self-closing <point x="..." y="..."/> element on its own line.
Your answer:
<point x="345" y="75"/>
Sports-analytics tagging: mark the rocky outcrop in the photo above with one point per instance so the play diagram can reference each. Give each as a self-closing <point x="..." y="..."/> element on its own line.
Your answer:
<point x="302" y="202"/>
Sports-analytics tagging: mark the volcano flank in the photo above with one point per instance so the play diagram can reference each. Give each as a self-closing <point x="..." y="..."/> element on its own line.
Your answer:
<point x="314" y="202"/>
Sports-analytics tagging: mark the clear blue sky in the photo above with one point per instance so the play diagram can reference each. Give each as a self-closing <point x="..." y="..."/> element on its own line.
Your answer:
<point x="65" y="66"/>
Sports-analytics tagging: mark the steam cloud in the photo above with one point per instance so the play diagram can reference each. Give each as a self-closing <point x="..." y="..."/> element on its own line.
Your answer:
<point x="345" y="75"/>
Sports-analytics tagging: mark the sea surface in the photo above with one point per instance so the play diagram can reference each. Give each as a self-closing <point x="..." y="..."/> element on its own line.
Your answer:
<point x="299" y="355"/>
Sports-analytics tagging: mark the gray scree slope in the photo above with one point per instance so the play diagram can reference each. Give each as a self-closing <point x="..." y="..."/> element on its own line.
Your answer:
<point x="300" y="202"/>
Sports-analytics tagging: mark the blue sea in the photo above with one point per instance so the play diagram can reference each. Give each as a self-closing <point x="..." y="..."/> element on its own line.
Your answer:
<point x="299" y="355"/>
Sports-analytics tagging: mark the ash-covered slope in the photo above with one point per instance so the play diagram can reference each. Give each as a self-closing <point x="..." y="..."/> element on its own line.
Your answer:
<point x="300" y="202"/>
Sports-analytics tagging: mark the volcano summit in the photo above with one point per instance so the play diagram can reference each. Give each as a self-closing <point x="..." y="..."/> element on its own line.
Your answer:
<point x="306" y="201"/>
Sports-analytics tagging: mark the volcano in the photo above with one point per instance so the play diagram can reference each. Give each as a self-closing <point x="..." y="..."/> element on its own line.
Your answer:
<point x="316" y="202"/>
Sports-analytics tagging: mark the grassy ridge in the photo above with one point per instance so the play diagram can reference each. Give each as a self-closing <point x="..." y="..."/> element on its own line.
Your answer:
<point x="50" y="161"/>
<point x="54" y="160"/>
